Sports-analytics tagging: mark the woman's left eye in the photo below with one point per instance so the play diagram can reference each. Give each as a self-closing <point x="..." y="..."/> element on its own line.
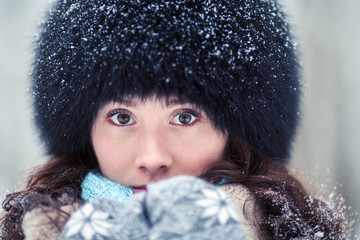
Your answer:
<point x="184" y="118"/>
<point x="122" y="119"/>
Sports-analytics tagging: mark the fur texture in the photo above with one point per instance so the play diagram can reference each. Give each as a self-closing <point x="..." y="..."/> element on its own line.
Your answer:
<point x="39" y="223"/>
<point x="234" y="59"/>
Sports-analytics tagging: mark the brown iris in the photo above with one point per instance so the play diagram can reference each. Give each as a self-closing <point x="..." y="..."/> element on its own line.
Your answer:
<point x="123" y="118"/>
<point x="185" y="118"/>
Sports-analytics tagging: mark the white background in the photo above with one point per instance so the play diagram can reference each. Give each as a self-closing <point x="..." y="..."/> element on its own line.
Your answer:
<point x="327" y="149"/>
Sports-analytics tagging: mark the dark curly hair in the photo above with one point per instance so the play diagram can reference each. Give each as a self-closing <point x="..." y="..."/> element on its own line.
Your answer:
<point x="287" y="210"/>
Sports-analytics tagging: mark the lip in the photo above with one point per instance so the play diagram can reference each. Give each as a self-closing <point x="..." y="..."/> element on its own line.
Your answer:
<point x="137" y="189"/>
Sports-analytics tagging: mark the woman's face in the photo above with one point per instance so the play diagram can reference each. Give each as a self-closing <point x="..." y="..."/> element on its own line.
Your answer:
<point x="138" y="142"/>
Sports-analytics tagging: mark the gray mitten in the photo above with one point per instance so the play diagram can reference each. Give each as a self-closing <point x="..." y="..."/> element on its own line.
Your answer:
<point x="181" y="208"/>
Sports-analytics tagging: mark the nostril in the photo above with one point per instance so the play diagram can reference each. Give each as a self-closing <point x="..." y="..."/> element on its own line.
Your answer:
<point x="162" y="167"/>
<point x="154" y="171"/>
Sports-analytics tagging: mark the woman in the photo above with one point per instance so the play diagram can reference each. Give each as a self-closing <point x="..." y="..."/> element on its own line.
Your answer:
<point x="135" y="92"/>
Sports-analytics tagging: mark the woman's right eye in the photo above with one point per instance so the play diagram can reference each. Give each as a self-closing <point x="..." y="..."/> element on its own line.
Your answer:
<point x="121" y="119"/>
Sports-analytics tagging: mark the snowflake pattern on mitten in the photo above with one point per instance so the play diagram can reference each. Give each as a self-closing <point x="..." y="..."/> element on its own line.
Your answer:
<point x="183" y="208"/>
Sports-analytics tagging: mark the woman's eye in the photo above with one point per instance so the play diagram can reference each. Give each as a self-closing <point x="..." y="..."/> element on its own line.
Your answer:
<point x="122" y="119"/>
<point x="184" y="119"/>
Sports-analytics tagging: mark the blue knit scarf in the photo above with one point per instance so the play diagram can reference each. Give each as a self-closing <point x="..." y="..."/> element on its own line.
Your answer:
<point x="96" y="186"/>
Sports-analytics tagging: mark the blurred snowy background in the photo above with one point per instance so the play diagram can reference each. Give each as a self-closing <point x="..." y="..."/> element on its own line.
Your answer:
<point x="327" y="149"/>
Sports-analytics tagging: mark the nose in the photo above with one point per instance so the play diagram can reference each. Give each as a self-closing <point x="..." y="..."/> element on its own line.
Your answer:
<point x="153" y="156"/>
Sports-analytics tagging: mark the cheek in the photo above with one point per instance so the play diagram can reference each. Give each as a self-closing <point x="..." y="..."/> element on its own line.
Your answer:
<point x="200" y="154"/>
<point x="104" y="152"/>
<point x="111" y="155"/>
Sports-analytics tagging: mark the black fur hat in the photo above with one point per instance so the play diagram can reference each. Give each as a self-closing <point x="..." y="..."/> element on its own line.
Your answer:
<point x="234" y="59"/>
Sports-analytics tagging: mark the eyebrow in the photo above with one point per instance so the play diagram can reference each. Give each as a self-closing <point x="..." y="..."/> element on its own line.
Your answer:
<point x="134" y="102"/>
<point x="128" y="102"/>
<point x="168" y="102"/>
<point x="174" y="101"/>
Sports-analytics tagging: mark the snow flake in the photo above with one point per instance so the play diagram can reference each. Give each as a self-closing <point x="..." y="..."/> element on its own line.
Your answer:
<point x="72" y="7"/>
<point x="216" y="204"/>
<point x="87" y="222"/>
<point x="319" y="234"/>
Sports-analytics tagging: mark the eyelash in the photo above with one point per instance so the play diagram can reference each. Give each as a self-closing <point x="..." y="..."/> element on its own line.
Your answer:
<point x="115" y="112"/>
<point x="191" y="112"/>
<point x="187" y="111"/>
